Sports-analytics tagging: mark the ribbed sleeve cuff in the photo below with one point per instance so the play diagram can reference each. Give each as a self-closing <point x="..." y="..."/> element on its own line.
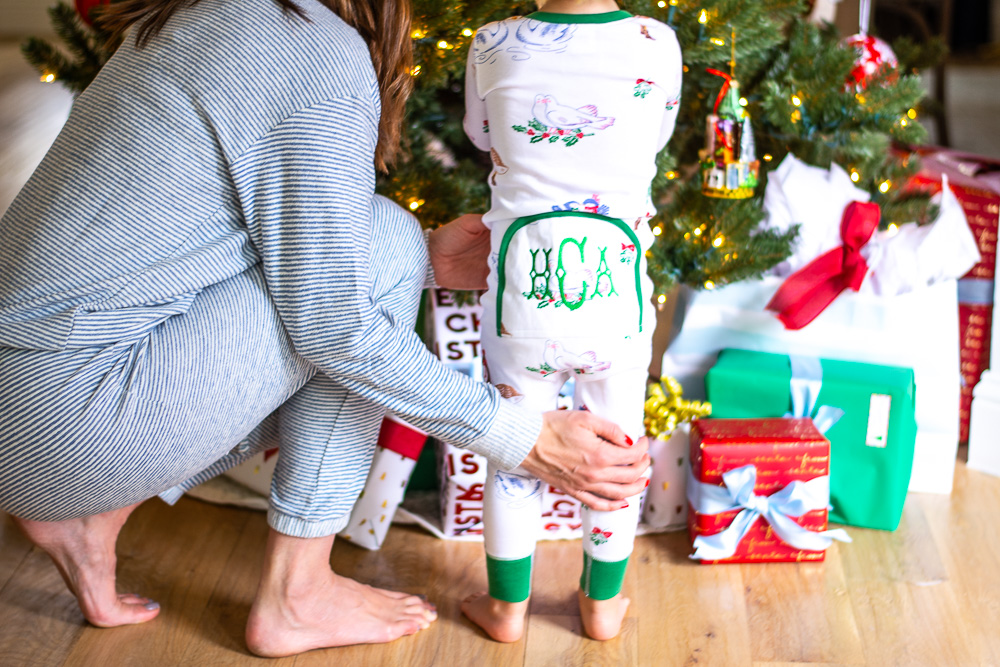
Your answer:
<point x="430" y="282"/>
<point x="511" y="437"/>
<point x="296" y="527"/>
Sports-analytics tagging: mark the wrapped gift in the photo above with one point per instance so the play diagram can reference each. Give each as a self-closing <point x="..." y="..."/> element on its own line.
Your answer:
<point x="463" y="476"/>
<point x="866" y="412"/>
<point x="399" y="447"/>
<point x="667" y="424"/>
<point x="256" y="472"/>
<point x="666" y="501"/>
<point x="917" y="330"/>
<point x="975" y="180"/>
<point x="758" y="491"/>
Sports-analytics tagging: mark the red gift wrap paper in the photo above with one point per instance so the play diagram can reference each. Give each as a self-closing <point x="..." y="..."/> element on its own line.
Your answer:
<point x="782" y="450"/>
<point x="980" y="201"/>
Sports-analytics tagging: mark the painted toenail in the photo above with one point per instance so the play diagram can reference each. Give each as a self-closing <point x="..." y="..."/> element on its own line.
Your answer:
<point x="151" y="606"/>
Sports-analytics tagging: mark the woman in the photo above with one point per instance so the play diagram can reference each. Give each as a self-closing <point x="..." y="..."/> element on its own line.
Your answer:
<point x="199" y="268"/>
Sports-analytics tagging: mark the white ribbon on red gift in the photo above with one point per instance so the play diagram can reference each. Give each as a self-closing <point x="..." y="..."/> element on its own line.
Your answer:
<point x="777" y="509"/>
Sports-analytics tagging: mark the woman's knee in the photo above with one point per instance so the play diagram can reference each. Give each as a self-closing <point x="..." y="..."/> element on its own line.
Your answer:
<point x="398" y="257"/>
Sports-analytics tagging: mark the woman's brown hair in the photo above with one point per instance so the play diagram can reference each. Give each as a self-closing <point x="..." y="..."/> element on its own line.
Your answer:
<point x="383" y="24"/>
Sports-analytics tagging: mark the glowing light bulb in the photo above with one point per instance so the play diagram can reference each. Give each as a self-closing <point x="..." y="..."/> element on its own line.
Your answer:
<point x="415" y="204"/>
<point x="884" y="186"/>
<point x="743" y="102"/>
<point x="687" y="236"/>
<point x="661" y="4"/>
<point x="467" y="32"/>
<point x="893" y="229"/>
<point x="703" y="17"/>
<point x="697" y="231"/>
<point x="718" y="241"/>
<point x="444" y="45"/>
<point x="796" y="100"/>
<point x="718" y="42"/>
<point x="415" y="70"/>
<point x="709" y="284"/>
<point x="48" y="77"/>
<point x="912" y="113"/>
<point x="855" y="176"/>
<point x="903" y="122"/>
<point x="662" y="298"/>
<point x="418" y="34"/>
<point x="768" y="157"/>
<point x="671" y="175"/>
<point x="657" y="230"/>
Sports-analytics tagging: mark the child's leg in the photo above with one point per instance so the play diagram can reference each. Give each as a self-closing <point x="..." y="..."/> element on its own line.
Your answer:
<point x="512" y="508"/>
<point x="608" y="536"/>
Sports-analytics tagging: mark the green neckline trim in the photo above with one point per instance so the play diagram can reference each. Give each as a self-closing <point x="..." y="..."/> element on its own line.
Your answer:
<point x="553" y="17"/>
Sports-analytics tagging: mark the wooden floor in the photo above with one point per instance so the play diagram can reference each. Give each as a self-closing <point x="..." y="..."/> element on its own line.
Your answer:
<point x="927" y="594"/>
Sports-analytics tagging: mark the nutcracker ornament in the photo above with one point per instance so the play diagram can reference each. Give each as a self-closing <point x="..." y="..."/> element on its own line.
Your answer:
<point x="729" y="164"/>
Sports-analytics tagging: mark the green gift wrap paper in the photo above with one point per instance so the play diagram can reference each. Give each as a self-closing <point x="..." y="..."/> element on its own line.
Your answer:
<point x="871" y="446"/>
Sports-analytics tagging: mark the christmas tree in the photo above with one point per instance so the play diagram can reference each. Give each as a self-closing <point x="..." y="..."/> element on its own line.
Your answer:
<point x="799" y="91"/>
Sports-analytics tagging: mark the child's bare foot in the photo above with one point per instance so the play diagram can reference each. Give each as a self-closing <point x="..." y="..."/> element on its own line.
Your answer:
<point x="504" y="621"/>
<point x="602" y="619"/>
<point x="84" y="553"/>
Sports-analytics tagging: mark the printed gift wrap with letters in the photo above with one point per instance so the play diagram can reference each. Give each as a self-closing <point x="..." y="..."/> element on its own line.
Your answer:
<point x="975" y="180"/>
<point x="758" y="491"/>
<point x="871" y="439"/>
<point x="463" y="475"/>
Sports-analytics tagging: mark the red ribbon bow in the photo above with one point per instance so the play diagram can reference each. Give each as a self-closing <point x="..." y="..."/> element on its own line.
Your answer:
<point x="807" y="292"/>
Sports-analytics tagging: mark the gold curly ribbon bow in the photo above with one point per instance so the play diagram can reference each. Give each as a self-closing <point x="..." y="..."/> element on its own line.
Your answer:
<point x="665" y="409"/>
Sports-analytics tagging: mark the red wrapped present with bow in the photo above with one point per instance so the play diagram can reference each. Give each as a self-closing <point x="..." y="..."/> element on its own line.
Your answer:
<point x="758" y="491"/>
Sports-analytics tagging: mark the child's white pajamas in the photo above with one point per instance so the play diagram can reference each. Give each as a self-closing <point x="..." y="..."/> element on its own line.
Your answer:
<point x="573" y="110"/>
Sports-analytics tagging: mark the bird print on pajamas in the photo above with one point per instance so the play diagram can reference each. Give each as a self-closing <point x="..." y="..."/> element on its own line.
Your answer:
<point x="548" y="111"/>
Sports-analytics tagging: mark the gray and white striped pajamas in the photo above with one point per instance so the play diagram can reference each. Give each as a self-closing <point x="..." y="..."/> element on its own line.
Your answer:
<point x="200" y="265"/>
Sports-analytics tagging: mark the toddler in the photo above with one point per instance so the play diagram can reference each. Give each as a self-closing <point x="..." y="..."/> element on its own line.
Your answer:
<point x="573" y="103"/>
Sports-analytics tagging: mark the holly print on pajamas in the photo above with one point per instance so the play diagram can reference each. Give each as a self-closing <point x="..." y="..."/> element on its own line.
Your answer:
<point x="598" y="536"/>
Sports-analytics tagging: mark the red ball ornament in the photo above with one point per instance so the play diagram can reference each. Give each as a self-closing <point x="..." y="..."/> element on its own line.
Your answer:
<point x="84" y="7"/>
<point x="873" y="55"/>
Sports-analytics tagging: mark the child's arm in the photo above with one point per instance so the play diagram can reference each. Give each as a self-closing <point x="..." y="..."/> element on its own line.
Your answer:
<point x="672" y="86"/>
<point x="476" y="122"/>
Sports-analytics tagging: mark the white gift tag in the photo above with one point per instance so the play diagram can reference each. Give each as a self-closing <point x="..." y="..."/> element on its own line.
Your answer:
<point x="878" y="420"/>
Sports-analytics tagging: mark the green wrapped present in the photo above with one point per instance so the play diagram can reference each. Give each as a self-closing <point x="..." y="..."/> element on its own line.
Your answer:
<point x="871" y="443"/>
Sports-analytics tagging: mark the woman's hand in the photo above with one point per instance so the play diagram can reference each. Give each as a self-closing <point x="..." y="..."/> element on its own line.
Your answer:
<point x="589" y="458"/>
<point x="459" y="251"/>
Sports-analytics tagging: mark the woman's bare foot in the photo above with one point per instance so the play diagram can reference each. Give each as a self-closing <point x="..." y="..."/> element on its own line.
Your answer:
<point x="302" y="604"/>
<point x="602" y="619"/>
<point x="504" y="621"/>
<point x="84" y="552"/>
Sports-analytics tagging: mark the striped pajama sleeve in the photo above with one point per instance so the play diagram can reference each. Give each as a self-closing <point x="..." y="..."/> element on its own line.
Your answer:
<point x="307" y="191"/>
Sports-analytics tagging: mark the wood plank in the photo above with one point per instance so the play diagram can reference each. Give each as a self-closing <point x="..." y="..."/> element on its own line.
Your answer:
<point x="800" y="612"/>
<point x="965" y="528"/>
<point x="14" y="548"/>
<point x="40" y="620"/>
<point x="688" y="613"/>
<point x="555" y="634"/>
<point x="176" y="556"/>
<point x="909" y="624"/>
<point x="902" y="555"/>
<point x="560" y="641"/>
